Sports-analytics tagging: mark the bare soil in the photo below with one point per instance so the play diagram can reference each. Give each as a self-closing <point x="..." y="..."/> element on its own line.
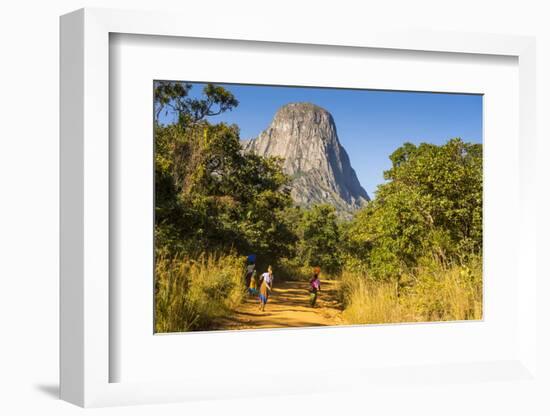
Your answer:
<point x="287" y="307"/>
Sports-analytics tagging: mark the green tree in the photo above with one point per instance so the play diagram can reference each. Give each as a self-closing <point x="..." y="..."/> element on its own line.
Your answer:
<point x="430" y="206"/>
<point x="209" y="194"/>
<point x="320" y="238"/>
<point x="172" y="97"/>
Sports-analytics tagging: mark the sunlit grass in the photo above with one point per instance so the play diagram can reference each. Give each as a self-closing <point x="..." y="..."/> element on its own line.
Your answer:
<point x="444" y="294"/>
<point x="190" y="294"/>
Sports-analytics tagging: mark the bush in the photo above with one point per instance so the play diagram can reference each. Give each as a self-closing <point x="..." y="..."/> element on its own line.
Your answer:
<point x="320" y="238"/>
<point x="191" y="294"/>
<point x="292" y="269"/>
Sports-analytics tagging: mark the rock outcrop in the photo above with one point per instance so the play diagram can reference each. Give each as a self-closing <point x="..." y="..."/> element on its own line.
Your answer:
<point x="304" y="134"/>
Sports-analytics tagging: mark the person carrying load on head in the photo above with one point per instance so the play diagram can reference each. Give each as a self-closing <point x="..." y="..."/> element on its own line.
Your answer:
<point x="253" y="286"/>
<point x="250" y="269"/>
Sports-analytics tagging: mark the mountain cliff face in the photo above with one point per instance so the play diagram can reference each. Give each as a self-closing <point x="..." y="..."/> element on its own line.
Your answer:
<point x="305" y="135"/>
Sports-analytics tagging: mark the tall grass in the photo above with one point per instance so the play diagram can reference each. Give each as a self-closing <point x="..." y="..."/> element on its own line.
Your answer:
<point x="431" y="294"/>
<point x="193" y="293"/>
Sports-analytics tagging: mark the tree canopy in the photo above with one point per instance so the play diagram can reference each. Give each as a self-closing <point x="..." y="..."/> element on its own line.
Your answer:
<point x="209" y="194"/>
<point x="430" y="206"/>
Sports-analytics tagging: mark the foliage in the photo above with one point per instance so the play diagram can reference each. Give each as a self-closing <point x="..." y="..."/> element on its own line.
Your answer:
<point x="209" y="195"/>
<point x="293" y="269"/>
<point x="431" y="207"/>
<point x="319" y="238"/>
<point x="172" y="97"/>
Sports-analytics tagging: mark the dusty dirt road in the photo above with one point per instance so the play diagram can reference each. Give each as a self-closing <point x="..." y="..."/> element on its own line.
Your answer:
<point x="288" y="306"/>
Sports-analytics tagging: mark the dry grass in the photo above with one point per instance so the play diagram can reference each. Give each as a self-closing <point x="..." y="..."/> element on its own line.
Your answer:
<point x="190" y="294"/>
<point x="431" y="295"/>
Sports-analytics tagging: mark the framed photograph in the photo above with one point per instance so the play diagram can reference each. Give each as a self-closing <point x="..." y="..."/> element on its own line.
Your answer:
<point x="329" y="211"/>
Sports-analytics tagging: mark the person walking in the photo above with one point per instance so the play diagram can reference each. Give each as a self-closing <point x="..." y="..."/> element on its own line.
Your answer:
<point x="314" y="286"/>
<point x="250" y="269"/>
<point x="265" y="287"/>
<point x="253" y="285"/>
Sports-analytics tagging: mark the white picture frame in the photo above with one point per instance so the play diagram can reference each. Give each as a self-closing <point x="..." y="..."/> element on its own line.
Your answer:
<point x="85" y="355"/>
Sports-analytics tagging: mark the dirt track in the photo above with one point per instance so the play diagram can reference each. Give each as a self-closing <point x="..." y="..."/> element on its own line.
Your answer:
<point x="288" y="306"/>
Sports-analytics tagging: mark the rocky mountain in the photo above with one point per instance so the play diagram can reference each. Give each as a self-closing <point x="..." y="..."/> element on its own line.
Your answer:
<point x="304" y="134"/>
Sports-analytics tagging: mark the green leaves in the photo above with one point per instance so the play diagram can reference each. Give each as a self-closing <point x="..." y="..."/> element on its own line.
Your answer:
<point x="430" y="207"/>
<point x="172" y="97"/>
<point x="209" y="194"/>
<point x="320" y="243"/>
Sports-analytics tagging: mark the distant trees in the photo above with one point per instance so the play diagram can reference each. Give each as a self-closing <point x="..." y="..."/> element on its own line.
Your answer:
<point x="320" y="239"/>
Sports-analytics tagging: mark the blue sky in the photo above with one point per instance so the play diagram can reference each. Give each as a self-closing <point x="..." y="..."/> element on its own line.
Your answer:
<point x="370" y="124"/>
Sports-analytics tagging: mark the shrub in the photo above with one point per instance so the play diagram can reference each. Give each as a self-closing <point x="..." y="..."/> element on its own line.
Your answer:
<point x="292" y="269"/>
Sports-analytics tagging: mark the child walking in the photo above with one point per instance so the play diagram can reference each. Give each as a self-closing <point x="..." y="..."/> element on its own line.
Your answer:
<point x="253" y="285"/>
<point x="314" y="286"/>
<point x="265" y="287"/>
